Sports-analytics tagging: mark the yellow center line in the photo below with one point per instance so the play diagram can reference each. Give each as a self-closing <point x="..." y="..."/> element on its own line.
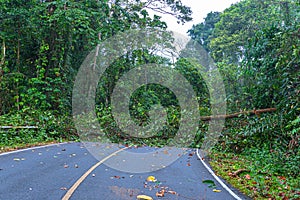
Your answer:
<point x="83" y="177"/>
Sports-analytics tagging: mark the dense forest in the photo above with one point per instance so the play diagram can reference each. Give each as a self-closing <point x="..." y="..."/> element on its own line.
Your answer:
<point x="255" y="45"/>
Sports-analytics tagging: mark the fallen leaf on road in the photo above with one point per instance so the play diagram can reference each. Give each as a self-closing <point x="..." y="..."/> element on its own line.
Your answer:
<point x="215" y="190"/>
<point x="189" y="164"/>
<point x="151" y="179"/>
<point x="211" y="184"/>
<point x="144" y="197"/>
<point x="160" y="193"/>
<point x="172" y="192"/>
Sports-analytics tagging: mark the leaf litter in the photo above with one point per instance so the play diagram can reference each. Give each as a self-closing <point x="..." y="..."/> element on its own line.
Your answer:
<point x="152" y="183"/>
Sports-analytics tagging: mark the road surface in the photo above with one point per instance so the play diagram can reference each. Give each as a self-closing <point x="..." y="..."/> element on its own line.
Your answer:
<point x="69" y="171"/>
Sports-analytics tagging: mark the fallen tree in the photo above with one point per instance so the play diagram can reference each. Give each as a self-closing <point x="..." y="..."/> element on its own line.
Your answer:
<point x="238" y="114"/>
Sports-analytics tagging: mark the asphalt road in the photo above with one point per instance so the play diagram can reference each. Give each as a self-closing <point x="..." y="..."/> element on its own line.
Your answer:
<point x="70" y="171"/>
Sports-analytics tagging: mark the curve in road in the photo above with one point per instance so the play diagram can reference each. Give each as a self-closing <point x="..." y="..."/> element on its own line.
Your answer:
<point x="69" y="171"/>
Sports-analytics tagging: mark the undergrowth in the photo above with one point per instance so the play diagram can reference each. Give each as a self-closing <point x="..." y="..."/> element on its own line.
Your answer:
<point x="260" y="156"/>
<point x="253" y="175"/>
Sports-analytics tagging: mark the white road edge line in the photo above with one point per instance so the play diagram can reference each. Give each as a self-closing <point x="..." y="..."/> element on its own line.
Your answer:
<point x="217" y="178"/>
<point x="33" y="148"/>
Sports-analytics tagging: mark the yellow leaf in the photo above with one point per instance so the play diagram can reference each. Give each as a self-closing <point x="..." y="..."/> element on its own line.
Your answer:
<point x="144" y="197"/>
<point x="151" y="179"/>
<point x="215" y="190"/>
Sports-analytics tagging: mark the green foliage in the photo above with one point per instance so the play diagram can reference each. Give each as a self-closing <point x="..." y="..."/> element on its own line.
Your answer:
<point x="141" y="101"/>
<point x="202" y="32"/>
<point x="192" y="74"/>
<point x="270" y="70"/>
<point x="265" y="139"/>
<point x="43" y="44"/>
<point x="257" y="178"/>
<point x="50" y="127"/>
<point x="256" y="47"/>
<point x="239" y="23"/>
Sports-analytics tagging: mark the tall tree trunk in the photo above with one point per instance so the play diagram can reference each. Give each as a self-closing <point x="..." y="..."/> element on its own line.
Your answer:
<point x="18" y="67"/>
<point x="2" y="62"/>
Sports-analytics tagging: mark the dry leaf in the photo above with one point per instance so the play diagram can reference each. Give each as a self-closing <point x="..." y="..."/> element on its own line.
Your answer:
<point x="281" y="177"/>
<point x="160" y="193"/>
<point x="247" y="176"/>
<point x="172" y="192"/>
<point x="144" y="197"/>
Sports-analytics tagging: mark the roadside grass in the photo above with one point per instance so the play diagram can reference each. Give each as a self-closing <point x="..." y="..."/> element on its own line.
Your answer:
<point x="242" y="172"/>
<point x="12" y="139"/>
<point x="17" y="146"/>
